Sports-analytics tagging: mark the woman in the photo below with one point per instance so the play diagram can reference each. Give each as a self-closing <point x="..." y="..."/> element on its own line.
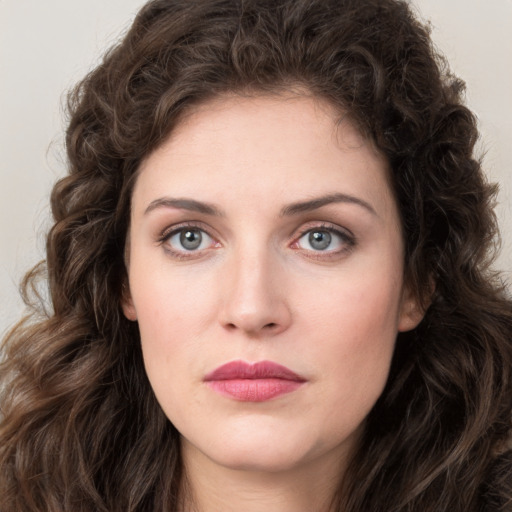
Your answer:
<point x="269" y="277"/>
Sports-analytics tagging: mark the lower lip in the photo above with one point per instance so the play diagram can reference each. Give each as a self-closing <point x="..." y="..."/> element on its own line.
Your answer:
<point x="254" y="390"/>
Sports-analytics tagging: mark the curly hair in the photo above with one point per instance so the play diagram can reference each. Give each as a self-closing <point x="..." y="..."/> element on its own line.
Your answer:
<point x="80" y="428"/>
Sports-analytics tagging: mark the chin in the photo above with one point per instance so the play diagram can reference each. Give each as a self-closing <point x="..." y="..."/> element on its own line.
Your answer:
<point x="258" y="459"/>
<point x="259" y="448"/>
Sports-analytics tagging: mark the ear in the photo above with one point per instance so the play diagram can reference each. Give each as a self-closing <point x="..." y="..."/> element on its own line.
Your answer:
<point x="127" y="303"/>
<point x="126" y="295"/>
<point x="411" y="312"/>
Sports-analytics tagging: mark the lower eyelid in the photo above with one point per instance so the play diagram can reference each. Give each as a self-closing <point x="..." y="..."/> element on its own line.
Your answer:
<point x="205" y="238"/>
<point x="174" y="250"/>
<point x="342" y="235"/>
<point x="345" y="246"/>
<point x="346" y="241"/>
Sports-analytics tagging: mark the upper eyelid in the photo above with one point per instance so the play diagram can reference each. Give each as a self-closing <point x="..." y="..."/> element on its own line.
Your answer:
<point x="182" y="254"/>
<point x="324" y="226"/>
<point x="175" y="228"/>
<point x="168" y="231"/>
<point x="348" y="239"/>
<point x="348" y="243"/>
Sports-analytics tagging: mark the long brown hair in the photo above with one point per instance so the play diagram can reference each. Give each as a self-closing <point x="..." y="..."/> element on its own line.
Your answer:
<point x="80" y="427"/>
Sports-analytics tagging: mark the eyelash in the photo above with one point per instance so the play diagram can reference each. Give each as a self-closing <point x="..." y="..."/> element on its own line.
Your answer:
<point x="169" y="232"/>
<point x="348" y="240"/>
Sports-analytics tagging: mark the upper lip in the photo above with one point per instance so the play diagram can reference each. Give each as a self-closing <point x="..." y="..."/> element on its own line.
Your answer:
<point x="260" y="370"/>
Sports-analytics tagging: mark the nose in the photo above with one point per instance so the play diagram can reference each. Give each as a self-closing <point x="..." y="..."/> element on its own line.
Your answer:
<point x="254" y="296"/>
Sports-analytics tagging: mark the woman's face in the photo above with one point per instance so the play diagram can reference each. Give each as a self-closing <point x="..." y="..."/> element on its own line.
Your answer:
<point x="262" y="232"/>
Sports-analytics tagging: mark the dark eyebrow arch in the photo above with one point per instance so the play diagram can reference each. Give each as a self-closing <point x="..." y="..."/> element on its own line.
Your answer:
<point x="314" y="204"/>
<point x="184" y="204"/>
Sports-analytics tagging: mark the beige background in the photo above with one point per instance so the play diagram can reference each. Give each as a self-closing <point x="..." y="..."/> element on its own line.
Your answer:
<point x="45" y="47"/>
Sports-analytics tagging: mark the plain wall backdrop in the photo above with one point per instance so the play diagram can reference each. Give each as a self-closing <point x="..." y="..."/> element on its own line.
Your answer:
<point x="45" y="47"/>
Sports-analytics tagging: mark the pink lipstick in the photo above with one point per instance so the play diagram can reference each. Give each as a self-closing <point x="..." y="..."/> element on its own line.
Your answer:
<point x="253" y="382"/>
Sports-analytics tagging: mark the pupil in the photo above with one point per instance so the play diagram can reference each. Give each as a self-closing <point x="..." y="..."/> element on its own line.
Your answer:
<point x="190" y="240"/>
<point x="320" y="240"/>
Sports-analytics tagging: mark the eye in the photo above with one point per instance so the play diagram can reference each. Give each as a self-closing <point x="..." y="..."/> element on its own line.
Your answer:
<point x="327" y="240"/>
<point x="188" y="239"/>
<point x="318" y="240"/>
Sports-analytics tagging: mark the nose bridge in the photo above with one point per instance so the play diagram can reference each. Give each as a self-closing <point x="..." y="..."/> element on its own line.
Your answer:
<point x="254" y="298"/>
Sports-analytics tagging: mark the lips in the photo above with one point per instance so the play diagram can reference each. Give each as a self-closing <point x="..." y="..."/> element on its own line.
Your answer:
<point x="256" y="382"/>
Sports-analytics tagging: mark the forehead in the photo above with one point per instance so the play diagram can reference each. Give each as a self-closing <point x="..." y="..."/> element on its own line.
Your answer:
<point x="280" y="147"/>
<point x="291" y="115"/>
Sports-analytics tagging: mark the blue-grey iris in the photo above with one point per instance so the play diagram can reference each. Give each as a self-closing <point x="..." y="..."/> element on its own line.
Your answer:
<point x="191" y="239"/>
<point x="320" y="240"/>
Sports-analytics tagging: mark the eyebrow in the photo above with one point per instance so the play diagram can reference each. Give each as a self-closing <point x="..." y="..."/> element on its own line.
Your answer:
<point x="184" y="204"/>
<point x="314" y="204"/>
<point x="289" y="210"/>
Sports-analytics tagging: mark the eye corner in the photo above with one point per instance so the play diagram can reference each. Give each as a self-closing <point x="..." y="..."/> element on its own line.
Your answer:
<point x="323" y="241"/>
<point x="187" y="241"/>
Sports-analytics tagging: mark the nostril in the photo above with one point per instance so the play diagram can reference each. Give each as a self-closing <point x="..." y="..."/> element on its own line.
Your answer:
<point x="252" y="326"/>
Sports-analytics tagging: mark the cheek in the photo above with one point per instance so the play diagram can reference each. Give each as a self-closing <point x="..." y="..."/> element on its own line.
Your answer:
<point x="169" y="301"/>
<point x="360" y="304"/>
<point x="359" y="331"/>
<point x="173" y="310"/>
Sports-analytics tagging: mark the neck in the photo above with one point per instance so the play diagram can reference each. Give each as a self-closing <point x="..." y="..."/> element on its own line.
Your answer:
<point x="210" y="487"/>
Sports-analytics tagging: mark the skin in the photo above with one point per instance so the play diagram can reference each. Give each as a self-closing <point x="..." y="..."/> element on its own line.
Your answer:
<point x="257" y="289"/>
